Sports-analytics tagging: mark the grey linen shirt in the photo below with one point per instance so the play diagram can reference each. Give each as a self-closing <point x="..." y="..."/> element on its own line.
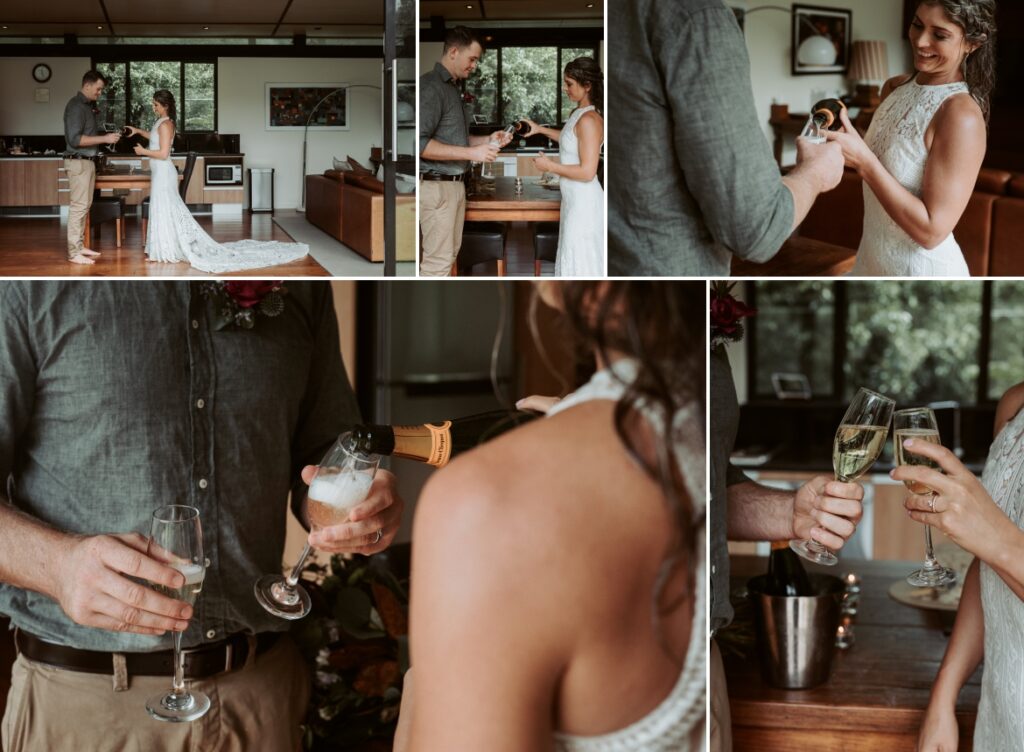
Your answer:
<point x="694" y="177"/>
<point x="442" y="118"/>
<point x="119" y="397"/>
<point x="79" y="120"/>
<point x="725" y="419"/>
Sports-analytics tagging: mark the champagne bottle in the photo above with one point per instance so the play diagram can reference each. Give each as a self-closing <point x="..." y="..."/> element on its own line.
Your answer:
<point x="786" y="575"/>
<point x="826" y="114"/>
<point x="436" y="443"/>
<point x="521" y="126"/>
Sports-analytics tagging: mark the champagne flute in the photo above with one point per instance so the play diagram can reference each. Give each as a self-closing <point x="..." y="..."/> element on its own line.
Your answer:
<point x="919" y="424"/>
<point x="487" y="172"/>
<point x="859" y="441"/>
<point x="176" y="540"/>
<point x="342" y="481"/>
<point x="814" y="130"/>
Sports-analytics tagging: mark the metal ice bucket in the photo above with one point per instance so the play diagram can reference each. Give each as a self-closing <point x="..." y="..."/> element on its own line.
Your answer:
<point x="796" y="635"/>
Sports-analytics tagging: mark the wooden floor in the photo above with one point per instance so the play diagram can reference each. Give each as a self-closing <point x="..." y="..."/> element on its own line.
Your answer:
<point x="518" y="256"/>
<point x="37" y="247"/>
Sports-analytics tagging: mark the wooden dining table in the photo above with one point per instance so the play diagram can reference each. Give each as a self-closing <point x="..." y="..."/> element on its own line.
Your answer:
<point x="875" y="698"/>
<point x="535" y="204"/>
<point x="123" y="178"/>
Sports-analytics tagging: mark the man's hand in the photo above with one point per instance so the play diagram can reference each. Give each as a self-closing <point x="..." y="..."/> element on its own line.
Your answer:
<point x="827" y="511"/>
<point x="822" y="163"/>
<point x="483" y="152"/>
<point x="381" y="511"/>
<point x="503" y="138"/>
<point x="93" y="590"/>
<point x="111" y="138"/>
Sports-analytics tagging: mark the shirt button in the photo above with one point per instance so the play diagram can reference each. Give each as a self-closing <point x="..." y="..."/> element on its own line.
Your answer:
<point x="714" y="569"/>
<point x="210" y="634"/>
<point x="203" y="483"/>
<point x="195" y="324"/>
<point x="200" y="403"/>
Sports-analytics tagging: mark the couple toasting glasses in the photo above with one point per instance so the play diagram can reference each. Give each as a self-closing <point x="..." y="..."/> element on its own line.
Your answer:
<point x="447" y="149"/>
<point x="173" y="235"/>
<point x="683" y="74"/>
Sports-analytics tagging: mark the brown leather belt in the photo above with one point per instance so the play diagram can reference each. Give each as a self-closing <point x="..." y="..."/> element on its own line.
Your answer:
<point x="438" y="176"/>
<point x="200" y="662"/>
<point x="92" y="158"/>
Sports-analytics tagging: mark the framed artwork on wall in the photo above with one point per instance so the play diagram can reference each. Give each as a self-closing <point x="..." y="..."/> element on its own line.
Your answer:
<point x="289" y="106"/>
<point x="821" y="40"/>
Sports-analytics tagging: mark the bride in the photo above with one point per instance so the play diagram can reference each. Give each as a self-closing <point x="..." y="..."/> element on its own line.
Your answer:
<point x="558" y="571"/>
<point x="924" y="149"/>
<point x="173" y="233"/>
<point x="581" y="236"/>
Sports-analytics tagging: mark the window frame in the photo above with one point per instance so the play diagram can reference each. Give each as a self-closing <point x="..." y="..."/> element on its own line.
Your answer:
<point x="839" y="324"/>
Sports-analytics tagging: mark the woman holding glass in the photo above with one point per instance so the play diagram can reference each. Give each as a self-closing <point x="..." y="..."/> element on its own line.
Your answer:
<point x="985" y="518"/>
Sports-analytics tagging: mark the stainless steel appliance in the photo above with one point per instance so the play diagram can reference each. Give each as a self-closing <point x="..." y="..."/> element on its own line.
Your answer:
<point x="219" y="173"/>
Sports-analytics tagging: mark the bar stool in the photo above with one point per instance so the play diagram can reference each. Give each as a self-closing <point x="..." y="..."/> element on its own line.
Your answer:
<point x="481" y="242"/>
<point x="105" y="209"/>
<point x="545" y="244"/>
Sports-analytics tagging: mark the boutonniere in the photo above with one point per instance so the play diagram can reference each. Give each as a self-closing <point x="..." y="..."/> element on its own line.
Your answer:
<point x="727" y="313"/>
<point x="239" y="303"/>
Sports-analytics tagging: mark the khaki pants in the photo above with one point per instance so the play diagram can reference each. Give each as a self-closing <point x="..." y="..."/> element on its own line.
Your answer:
<point x="255" y="708"/>
<point x="81" y="181"/>
<point x="442" y="213"/>
<point x="721" y="719"/>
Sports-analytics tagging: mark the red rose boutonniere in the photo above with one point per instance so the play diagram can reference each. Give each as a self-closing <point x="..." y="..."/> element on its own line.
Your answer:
<point x="727" y="314"/>
<point x="239" y="303"/>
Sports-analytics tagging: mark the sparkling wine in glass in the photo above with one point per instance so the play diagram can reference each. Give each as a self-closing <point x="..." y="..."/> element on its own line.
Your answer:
<point x="176" y="540"/>
<point x="859" y="441"/>
<point x="110" y="128"/>
<point x="342" y="482"/>
<point x="487" y="172"/>
<point x="919" y="424"/>
<point x="814" y="131"/>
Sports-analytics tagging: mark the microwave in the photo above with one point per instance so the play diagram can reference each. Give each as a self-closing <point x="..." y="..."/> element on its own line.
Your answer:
<point x="223" y="174"/>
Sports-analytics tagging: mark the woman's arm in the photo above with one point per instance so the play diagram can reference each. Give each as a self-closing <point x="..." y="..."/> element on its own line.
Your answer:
<point x="552" y="133"/>
<point x="954" y="160"/>
<point x="166" y="130"/>
<point x="939" y="732"/>
<point x="484" y="620"/>
<point x="589" y="131"/>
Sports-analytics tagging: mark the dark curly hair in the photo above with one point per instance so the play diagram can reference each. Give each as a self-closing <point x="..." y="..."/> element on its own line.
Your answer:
<point x="165" y="98"/>
<point x="978" y="20"/>
<point x="661" y="326"/>
<point x="585" y="70"/>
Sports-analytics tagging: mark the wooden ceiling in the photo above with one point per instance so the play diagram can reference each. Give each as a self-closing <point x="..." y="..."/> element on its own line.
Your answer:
<point x="194" y="18"/>
<point x="512" y="10"/>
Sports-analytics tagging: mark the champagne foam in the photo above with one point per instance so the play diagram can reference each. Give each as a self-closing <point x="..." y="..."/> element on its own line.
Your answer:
<point x="193" y="573"/>
<point x="340" y="491"/>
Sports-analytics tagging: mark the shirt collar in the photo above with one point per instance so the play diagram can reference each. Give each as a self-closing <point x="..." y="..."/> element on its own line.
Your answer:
<point x="444" y="73"/>
<point x="84" y="99"/>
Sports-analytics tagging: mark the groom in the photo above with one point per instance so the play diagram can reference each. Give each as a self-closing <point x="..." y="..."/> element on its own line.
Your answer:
<point x="446" y="149"/>
<point x="81" y="134"/>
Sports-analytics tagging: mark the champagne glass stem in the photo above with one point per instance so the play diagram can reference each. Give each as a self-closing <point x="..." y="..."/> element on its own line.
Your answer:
<point x="293" y="578"/>
<point x="929" y="555"/>
<point x="179" y="667"/>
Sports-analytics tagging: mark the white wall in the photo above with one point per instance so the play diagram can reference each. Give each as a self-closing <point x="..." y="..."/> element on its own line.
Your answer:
<point x="768" y="43"/>
<point x="20" y="114"/>
<point x="241" y="105"/>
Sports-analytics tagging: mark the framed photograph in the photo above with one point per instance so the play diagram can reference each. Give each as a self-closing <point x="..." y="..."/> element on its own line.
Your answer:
<point x="791" y="386"/>
<point x="818" y="28"/>
<point x="289" y="106"/>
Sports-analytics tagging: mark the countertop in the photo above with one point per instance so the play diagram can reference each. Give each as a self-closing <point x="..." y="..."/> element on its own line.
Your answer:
<point x="117" y="155"/>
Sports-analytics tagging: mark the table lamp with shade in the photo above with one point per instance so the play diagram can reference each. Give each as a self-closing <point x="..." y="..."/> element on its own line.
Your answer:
<point x="869" y="69"/>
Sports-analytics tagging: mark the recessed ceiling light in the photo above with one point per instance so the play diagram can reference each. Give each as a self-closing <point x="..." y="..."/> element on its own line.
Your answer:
<point x="206" y="28"/>
<point x="590" y="5"/>
<point x="99" y="28"/>
<point x="469" y="7"/>
<point x="5" y="28"/>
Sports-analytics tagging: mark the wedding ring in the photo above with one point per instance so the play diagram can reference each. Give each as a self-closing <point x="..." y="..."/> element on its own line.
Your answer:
<point x="380" y="534"/>
<point x="931" y="503"/>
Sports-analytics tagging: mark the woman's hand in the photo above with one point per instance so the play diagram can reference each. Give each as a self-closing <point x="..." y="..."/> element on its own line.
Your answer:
<point x="534" y="128"/>
<point x="371" y="525"/>
<point x="939" y="731"/>
<point x="960" y="507"/>
<point x="543" y="164"/>
<point x="140" y="150"/>
<point x="855" y="151"/>
<point x="133" y="131"/>
<point x="537" y="403"/>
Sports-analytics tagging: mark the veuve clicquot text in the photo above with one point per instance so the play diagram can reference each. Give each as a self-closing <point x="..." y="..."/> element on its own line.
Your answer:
<point x="786" y="575"/>
<point x="436" y="443"/>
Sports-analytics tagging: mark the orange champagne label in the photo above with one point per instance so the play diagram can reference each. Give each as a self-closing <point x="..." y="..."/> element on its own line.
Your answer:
<point x="440" y="443"/>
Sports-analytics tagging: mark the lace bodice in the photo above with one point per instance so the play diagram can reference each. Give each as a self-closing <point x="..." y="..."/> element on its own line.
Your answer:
<point x="677" y="723"/>
<point x="581" y="236"/>
<point x="175" y="236"/>
<point x="1000" y="724"/>
<point x="897" y="137"/>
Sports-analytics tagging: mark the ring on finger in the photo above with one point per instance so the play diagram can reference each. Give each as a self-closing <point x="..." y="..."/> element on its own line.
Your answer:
<point x="931" y="503"/>
<point x="380" y="534"/>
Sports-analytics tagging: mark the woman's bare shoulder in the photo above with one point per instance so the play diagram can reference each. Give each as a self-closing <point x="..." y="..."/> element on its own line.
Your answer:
<point x="1009" y="405"/>
<point x="889" y="86"/>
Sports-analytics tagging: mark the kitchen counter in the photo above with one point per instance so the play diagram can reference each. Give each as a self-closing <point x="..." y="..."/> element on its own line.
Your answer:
<point x="117" y="155"/>
<point x="878" y="691"/>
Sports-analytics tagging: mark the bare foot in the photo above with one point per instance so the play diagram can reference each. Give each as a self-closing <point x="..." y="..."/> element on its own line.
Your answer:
<point x="79" y="258"/>
<point x="89" y="252"/>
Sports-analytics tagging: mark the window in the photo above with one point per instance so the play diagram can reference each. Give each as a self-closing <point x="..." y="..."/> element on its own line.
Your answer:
<point x="514" y="82"/>
<point x="915" y="341"/>
<point x="129" y="93"/>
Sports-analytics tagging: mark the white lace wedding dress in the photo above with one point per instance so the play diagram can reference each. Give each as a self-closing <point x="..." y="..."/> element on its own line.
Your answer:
<point x="896" y="136"/>
<point x="174" y="235"/>
<point x="581" y="237"/>
<point x="1000" y="723"/>
<point x="677" y="724"/>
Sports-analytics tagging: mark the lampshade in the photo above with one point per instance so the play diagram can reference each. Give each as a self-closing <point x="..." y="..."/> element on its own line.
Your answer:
<point x="817" y="50"/>
<point x="869" y="62"/>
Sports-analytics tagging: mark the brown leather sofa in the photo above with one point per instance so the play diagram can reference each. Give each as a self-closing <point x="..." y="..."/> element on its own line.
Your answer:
<point x="990" y="232"/>
<point x="350" y="207"/>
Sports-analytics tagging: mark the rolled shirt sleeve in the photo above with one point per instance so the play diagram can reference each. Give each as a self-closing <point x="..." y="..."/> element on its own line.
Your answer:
<point x="431" y="105"/>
